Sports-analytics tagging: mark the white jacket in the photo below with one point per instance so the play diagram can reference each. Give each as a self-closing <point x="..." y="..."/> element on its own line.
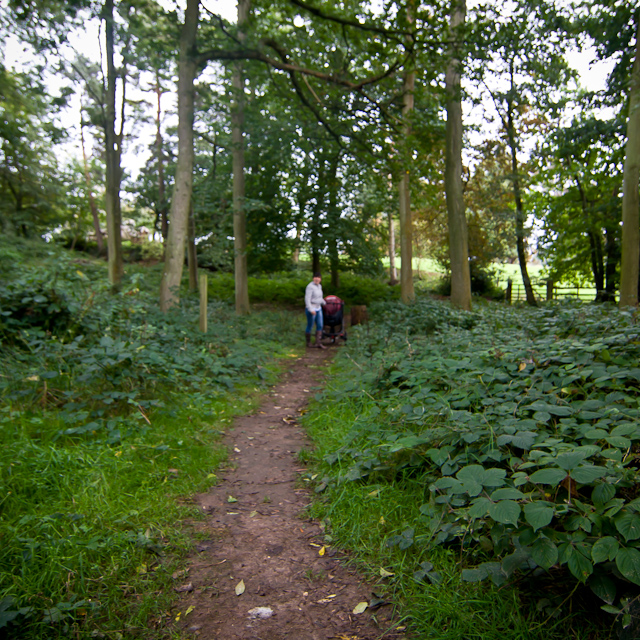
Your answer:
<point x="313" y="298"/>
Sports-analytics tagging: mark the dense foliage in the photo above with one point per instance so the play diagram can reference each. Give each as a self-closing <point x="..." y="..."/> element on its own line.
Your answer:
<point x="517" y="432"/>
<point x="109" y="411"/>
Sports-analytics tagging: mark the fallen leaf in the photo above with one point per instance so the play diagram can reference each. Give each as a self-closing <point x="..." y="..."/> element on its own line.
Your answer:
<point x="253" y="514"/>
<point x="321" y="552"/>
<point x="373" y="494"/>
<point x="522" y="366"/>
<point x="211" y="475"/>
<point x="189" y="610"/>
<point x="385" y="574"/>
<point x="231" y="499"/>
<point x="236" y="449"/>
<point x="240" y="588"/>
<point x="381" y="521"/>
<point x="313" y="544"/>
<point x="178" y="616"/>
<point x="361" y="607"/>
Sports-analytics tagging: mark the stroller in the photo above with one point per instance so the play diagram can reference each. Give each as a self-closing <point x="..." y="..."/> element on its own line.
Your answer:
<point x="333" y="319"/>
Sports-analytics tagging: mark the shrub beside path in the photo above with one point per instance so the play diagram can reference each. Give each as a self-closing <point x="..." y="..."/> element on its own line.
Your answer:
<point x="261" y="569"/>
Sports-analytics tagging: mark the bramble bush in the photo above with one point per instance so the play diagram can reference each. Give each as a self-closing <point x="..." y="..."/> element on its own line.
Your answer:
<point x="524" y="425"/>
<point x="109" y="411"/>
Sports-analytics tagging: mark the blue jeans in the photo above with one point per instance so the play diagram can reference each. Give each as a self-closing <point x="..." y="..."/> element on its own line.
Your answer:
<point x="311" y="319"/>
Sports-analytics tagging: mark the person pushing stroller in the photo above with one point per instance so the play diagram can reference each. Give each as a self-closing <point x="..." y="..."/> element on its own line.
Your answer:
<point x="313" y="302"/>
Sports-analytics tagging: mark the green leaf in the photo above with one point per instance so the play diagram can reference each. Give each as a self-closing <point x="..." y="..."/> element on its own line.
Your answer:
<point x="605" y="549"/>
<point x="602" y="493"/>
<point x="585" y="474"/>
<point x="628" y="563"/>
<point x="619" y="442"/>
<point x="538" y="514"/>
<point x="479" y="508"/>
<point x="505" y="511"/>
<point x="506" y="493"/>
<point x="603" y="586"/>
<point x="596" y="434"/>
<point x="628" y="524"/>
<point x="493" y="477"/>
<point x="580" y="566"/>
<point x="544" y="553"/>
<point x="474" y="575"/>
<point x="570" y="460"/>
<point x="552" y="476"/>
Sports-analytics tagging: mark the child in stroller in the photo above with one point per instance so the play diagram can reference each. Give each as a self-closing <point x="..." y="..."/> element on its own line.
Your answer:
<point x="333" y="319"/>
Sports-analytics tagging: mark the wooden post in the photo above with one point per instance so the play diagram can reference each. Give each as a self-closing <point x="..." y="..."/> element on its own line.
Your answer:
<point x="507" y="293"/>
<point x="550" y="287"/>
<point x="203" y="302"/>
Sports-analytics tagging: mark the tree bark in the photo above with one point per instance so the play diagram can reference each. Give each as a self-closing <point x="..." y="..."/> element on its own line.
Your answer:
<point x="237" y="140"/>
<point x="457" y="221"/>
<point x="630" y="196"/>
<point x="333" y="217"/>
<point x="182" y="192"/>
<point x="407" y="293"/>
<point x="112" y="158"/>
<point x="393" y="272"/>
<point x="92" y="201"/>
<point x="162" y="198"/>
<point x="192" y="254"/>
<point x="520" y="235"/>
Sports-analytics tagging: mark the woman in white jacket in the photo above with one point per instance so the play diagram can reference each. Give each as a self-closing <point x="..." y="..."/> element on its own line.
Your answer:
<point x="313" y="301"/>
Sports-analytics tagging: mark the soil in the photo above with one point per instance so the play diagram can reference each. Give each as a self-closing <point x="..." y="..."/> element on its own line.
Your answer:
<point x="257" y="537"/>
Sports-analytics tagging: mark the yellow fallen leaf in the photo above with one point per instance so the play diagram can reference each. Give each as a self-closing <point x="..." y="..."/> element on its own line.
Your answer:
<point x="178" y="616"/>
<point x="189" y="610"/>
<point x="385" y="574"/>
<point x="321" y="552"/>
<point x="232" y="499"/>
<point x="360" y="608"/>
<point x="253" y="514"/>
<point x="381" y="521"/>
<point x="313" y="544"/>
<point x="522" y="366"/>
<point x="240" y="588"/>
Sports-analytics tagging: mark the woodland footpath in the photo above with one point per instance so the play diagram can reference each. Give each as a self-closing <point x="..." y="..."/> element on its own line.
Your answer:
<point x="480" y="468"/>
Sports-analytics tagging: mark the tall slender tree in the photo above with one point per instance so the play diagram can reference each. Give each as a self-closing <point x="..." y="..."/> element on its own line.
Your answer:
<point x="182" y="193"/>
<point x="457" y="221"/>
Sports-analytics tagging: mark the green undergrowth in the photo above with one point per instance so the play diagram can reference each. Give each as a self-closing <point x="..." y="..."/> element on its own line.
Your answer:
<point x="288" y="288"/>
<point x="110" y="419"/>
<point x="489" y="461"/>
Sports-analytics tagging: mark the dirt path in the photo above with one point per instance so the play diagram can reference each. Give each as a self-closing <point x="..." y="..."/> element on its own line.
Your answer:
<point x="256" y="534"/>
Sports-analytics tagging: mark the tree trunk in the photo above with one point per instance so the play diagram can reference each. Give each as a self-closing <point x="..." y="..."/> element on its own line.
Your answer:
<point x="92" y="201"/>
<point x="112" y="157"/>
<point x="192" y="255"/>
<point x="457" y="221"/>
<point x="162" y="198"/>
<point x="407" y="293"/>
<point x="333" y="217"/>
<point x="182" y="191"/>
<point x="520" y="235"/>
<point x="630" y="197"/>
<point x="237" y="140"/>
<point x="315" y="225"/>
<point x="393" y="272"/>
<point x="612" y="250"/>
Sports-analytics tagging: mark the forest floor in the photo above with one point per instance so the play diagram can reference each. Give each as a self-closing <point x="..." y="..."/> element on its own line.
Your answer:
<point x="261" y="569"/>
